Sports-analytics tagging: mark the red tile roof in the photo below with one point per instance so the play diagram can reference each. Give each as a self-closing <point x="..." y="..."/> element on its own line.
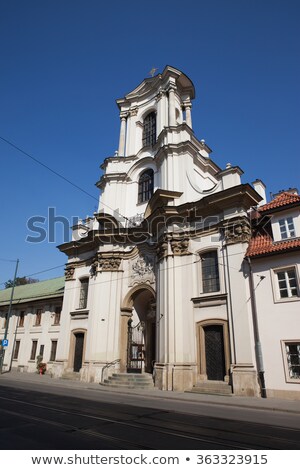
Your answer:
<point x="264" y="245"/>
<point x="283" y="199"/>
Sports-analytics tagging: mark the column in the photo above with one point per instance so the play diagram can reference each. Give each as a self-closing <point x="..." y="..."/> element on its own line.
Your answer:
<point x="188" y="115"/>
<point x="172" y="116"/>
<point x="161" y="111"/>
<point x="121" y="151"/>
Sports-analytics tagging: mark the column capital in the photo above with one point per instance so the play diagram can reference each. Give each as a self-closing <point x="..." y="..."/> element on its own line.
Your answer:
<point x="172" y="88"/>
<point x="187" y="104"/>
<point x="162" y="92"/>
<point x="124" y="115"/>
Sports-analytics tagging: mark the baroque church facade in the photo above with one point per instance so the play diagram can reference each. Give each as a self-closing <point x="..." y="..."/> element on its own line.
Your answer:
<point x="184" y="275"/>
<point x="156" y="281"/>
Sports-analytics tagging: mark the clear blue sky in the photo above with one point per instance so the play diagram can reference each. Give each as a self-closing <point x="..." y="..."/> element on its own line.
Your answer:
<point x="63" y="64"/>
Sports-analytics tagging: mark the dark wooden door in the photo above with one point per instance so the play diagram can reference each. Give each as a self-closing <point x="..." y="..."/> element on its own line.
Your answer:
<point x="214" y="352"/>
<point x="78" y="353"/>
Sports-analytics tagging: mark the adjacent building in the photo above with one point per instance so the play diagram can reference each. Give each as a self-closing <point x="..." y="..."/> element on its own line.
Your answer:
<point x="34" y="324"/>
<point x="274" y="251"/>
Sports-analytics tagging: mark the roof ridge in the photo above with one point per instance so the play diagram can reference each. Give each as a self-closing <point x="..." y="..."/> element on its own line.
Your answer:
<point x="282" y="199"/>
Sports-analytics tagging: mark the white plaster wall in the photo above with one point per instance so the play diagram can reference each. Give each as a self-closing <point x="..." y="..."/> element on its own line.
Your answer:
<point x="175" y="311"/>
<point x="277" y="320"/>
<point x="240" y="304"/>
<point x="44" y="333"/>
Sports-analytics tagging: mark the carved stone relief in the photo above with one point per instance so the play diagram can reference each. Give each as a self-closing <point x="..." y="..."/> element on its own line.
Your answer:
<point x="179" y="246"/>
<point x="69" y="273"/>
<point x="142" y="270"/>
<point x="109" y="262"/>
<point x="238" y="232"/>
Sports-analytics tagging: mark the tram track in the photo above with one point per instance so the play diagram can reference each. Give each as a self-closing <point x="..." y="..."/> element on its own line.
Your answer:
<point x="153" y="421"/>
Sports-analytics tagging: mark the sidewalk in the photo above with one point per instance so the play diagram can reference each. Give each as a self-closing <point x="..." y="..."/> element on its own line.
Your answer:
<point x="270" y="404"/>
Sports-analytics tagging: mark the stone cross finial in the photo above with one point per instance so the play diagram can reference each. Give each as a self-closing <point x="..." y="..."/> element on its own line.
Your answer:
<point x="152" y="71"/>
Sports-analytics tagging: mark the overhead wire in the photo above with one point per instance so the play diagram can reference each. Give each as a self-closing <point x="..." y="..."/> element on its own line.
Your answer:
<point x="56" y="173"/>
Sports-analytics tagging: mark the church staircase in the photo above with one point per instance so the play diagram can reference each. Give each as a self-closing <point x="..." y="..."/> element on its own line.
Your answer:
<point x="132" y="381"/>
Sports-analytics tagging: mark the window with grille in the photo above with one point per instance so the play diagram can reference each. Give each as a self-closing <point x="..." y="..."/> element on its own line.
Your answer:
<point x="145" y="186"/>
<point x="287" y="229"/>
<point x="33" y="350"/>
<point x="21" y="319"/>
<point x="210" y="272"/>
<point x="149" y="129"/>
<point x="57" y="316"/>
<point x="293" y="360"/>
<point x="38" y="317"/>
<point x="53" y="350"/>
<point x="83" y="296"/>
<point x="16" y="349"/>
<point x="287" y="283"/>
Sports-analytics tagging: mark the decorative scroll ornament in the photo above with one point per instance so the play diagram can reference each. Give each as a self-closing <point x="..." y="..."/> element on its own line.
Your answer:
<point x="142" y="270"/>
<point x="238" y="232"/>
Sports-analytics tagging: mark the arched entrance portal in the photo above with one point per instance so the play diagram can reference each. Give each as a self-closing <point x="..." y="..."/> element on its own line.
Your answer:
<point x="140" y="333"/>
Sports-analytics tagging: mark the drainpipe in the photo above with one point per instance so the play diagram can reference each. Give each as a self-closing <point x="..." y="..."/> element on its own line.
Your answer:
<point x="258" y="350"/>
<point x="229" y="301"/>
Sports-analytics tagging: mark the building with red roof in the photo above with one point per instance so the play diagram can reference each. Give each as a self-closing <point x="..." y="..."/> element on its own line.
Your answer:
<point x="274" y="256"/>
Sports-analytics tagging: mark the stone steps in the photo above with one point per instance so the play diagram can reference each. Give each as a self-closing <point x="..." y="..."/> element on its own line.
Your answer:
<point x="70" y="376"/>
<point x="132" y="381"/>
<point x="212" y="387"/>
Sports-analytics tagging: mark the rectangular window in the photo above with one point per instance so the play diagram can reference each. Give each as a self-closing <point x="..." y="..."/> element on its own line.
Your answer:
<point x="287" y="283"/>
<point x="42" y="347"/>
<point x="210" y="272"/>
<point x="21" y="319"/>
<point x="33" y="350"/>
<point x="16" y="349"/>
<point x="57" y="316"/>
<point x="84" y="285"/>
<point x="287" y="229"/>
<point x="53" y="350"/>
<point x="38" y="317"/>
<point x="293" y="359"/>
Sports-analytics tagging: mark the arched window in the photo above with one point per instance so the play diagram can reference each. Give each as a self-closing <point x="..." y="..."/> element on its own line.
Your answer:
<point x="149" y="129"/>
<point x="145" y="186"/>
<point x="210" y="272"/>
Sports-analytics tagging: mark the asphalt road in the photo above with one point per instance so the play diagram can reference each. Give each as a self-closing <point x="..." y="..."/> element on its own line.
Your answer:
<point x="33" y="418"/>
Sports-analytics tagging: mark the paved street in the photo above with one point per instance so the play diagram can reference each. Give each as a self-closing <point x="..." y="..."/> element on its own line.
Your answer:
<point x="44" y="413"/>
